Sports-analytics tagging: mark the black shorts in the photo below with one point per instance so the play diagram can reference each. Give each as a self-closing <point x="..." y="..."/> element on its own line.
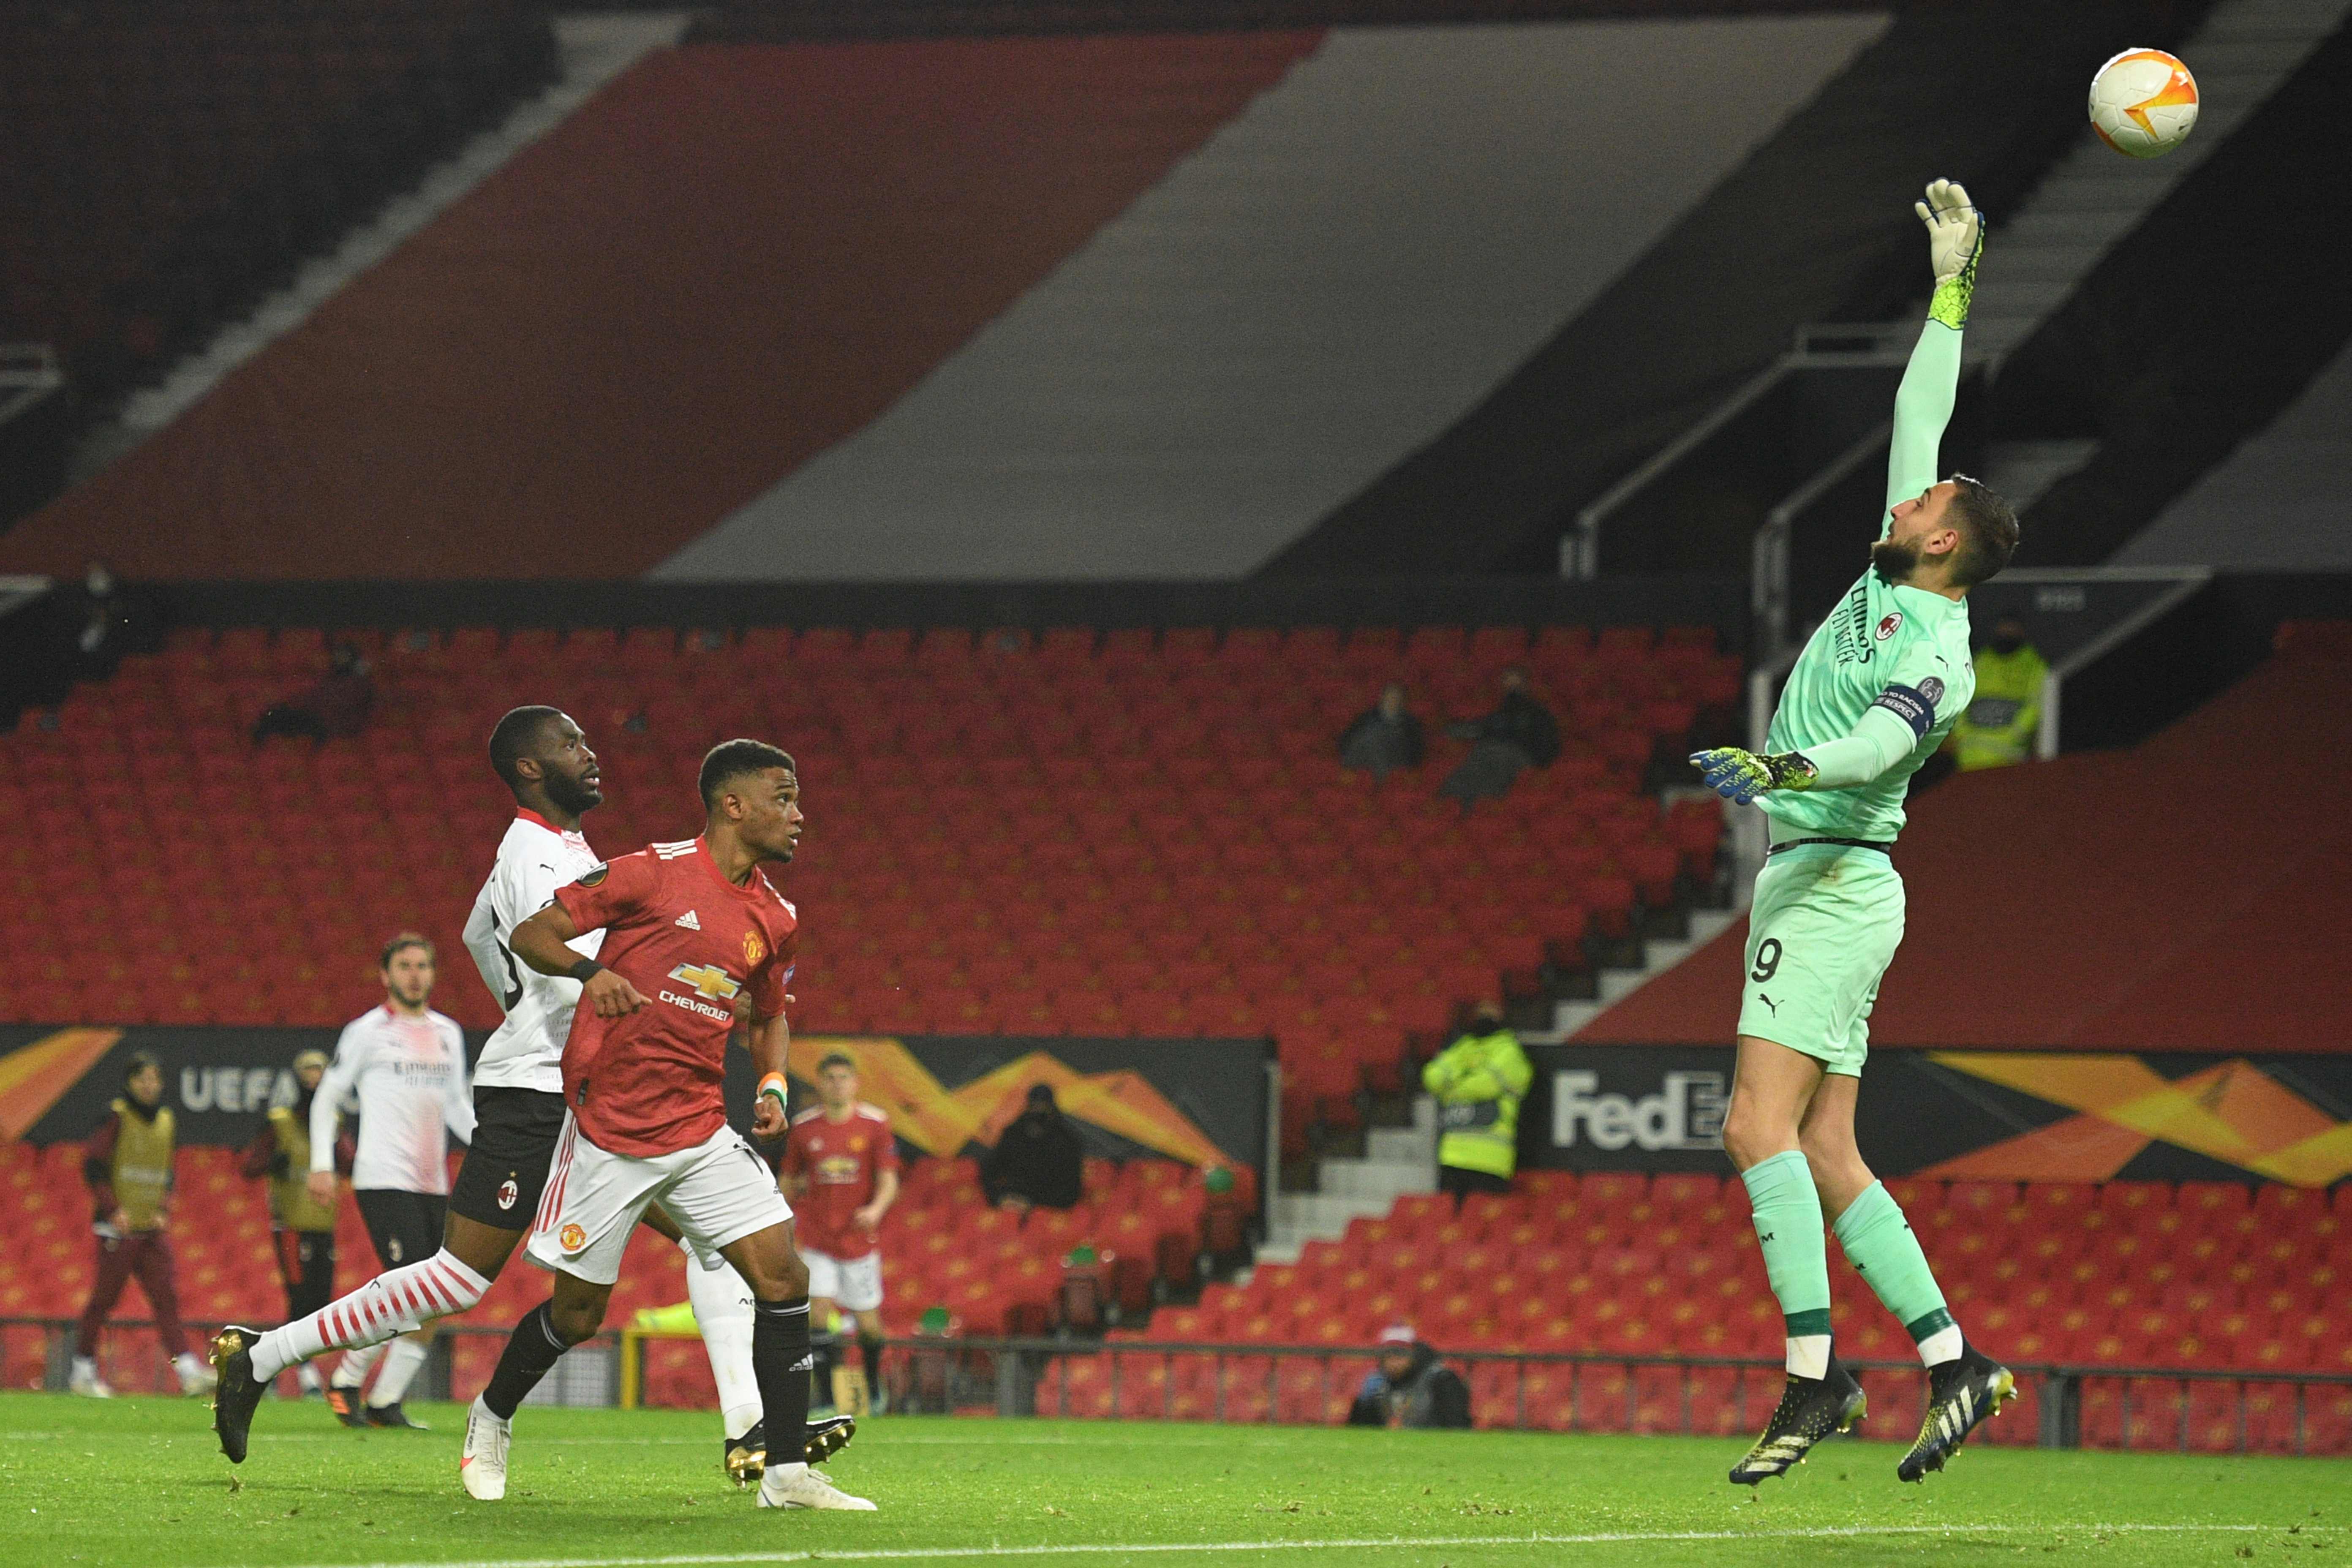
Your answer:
<point x="305" y="1259"/>
<point x="405" y="1226"/>
<point x="506" y="1165"/>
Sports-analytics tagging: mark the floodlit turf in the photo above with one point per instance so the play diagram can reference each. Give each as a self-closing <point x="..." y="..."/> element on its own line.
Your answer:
<point x="138" y="1481"/>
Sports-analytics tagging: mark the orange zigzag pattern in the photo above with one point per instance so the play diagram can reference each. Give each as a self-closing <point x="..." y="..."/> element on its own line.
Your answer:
<point x="941" y="1121"/>
<point x="33" y="1076"/>
<point x="2232" y="1111"/>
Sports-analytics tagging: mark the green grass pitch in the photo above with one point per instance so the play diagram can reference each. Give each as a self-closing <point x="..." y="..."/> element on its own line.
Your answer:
<point x="139" y="1482"/>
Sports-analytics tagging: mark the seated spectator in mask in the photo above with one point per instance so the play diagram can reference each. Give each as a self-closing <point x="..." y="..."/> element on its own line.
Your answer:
<point x="1384" y="738"/>
<point x="1037" y="1162"/>
<point x="1520" y="733"/>
<point x="335" y="709"/>
<point x="1411" y="1388"/>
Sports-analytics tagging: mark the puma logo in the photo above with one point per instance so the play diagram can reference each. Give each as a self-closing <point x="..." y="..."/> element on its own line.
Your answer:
<point x="1769" y="1002"/>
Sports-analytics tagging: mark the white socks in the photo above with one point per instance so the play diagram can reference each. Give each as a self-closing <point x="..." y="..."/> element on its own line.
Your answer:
<point x="1809" y="1356"/>
<point x="398" y="1301"/>
<point x="722" y="1311"/>
<point x="401" y="1358"/>
<point x="1944" y="1344"/>
<point x="355" y="1365"/>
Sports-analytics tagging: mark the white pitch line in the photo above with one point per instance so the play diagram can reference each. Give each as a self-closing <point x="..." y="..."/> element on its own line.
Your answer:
<point x="896" y="1440"/>
<point x="1370" y="1544"/>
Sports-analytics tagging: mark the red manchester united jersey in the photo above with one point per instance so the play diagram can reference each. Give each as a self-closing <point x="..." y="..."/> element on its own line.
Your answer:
<point x="699" y="948"/>
<point x="841" y="1162"/>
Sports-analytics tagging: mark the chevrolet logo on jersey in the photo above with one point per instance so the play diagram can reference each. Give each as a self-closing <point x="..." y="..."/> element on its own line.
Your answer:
<point x="708" y="980"/>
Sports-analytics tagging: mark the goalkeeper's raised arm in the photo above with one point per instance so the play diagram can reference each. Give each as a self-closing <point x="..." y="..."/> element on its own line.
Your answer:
<point x="1883" y="679"/>
<point x="1923" y="405"/>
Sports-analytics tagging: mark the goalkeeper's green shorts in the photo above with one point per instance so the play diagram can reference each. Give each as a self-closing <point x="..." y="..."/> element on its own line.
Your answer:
<point x="1823" y="927"/>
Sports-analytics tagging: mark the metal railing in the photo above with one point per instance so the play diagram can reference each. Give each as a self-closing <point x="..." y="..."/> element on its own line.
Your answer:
<point x="28" y="373"/>
<point x="2058" y="1391"/>
<point x="2072" y="1404"/>
<point x="592" y="1379"/>
<point x="2185" y="582"/>
<point x="1863" y="346"/>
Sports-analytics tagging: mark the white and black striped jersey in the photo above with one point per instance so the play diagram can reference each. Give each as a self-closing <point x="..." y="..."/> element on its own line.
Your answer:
<point x="535" y="857"/>
<point x="406" y="1077"/>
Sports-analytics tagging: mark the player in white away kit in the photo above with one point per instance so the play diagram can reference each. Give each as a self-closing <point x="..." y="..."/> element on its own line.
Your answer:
<point x="545" y="761"/>
<point x="403" y="1068"/>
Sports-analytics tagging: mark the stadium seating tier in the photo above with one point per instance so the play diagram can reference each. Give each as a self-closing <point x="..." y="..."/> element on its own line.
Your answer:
<point x="1063" y="834"/>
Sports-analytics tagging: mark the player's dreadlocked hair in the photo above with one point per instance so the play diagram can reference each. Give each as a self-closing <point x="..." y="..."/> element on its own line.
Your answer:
<point x="1988" y="527"/>
<point x="513" y="737"/>
<point x="731" y="760"/>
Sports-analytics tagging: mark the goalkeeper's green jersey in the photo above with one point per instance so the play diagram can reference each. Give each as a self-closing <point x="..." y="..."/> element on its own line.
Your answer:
<point x="1886" y="644"/>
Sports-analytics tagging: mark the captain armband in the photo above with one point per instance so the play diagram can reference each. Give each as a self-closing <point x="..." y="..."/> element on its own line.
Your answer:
<point x="1915" y="705"/>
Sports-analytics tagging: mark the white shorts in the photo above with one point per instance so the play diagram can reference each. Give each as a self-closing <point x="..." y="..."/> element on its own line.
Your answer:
<point x="718" y="1192"/>
<point x="855" y="1283"/>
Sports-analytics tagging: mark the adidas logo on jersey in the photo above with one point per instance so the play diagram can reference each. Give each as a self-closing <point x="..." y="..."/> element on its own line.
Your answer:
<point x="688" y="921"/>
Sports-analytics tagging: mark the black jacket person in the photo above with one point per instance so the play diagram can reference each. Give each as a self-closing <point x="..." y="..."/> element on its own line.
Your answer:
<point x="1037" y="1162"/>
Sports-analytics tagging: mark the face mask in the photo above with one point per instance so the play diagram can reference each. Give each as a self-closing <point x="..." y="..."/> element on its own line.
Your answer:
<point x="2007" y="645"/>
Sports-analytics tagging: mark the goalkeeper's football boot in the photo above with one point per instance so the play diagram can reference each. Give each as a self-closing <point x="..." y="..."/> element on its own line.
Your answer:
<point x="1810" y="1409"/>
<point x="1962" y="1393"/>
<point x="345" y="1403"/>
<point x="236" y="1394"/>
<point x="391" y="1414"/>
<point x="797" y="1486"/>
<point x="482" y="1465"/>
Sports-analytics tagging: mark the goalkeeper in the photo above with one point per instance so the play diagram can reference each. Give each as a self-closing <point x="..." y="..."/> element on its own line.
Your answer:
<point x="1877" y="688"/>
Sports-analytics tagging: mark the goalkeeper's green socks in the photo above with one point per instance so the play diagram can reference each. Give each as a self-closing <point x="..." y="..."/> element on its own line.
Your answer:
<point x="1879" y="1244"/>
<point x="1788" y="1212"/>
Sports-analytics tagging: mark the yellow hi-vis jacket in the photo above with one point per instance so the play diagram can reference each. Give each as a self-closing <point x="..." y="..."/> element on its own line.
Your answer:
<point x="1999" y="728"/>
<point x="1479" y="1081"/>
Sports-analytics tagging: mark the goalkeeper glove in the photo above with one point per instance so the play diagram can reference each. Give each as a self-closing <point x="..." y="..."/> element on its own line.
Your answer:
<point x="1740" y="776"/>
<point x="1955" y="241"/>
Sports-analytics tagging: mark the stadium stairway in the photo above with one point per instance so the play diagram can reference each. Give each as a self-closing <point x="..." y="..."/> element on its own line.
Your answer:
<point x="1614" y="983"/>
<point x="1396" y="1162"/>
<point x="2276" y="503"/>
<point x="590" y="51"/>
<point x="2199" y="331"/>
<point x="1824" y="200"/>
<point x="2092" y="201"/>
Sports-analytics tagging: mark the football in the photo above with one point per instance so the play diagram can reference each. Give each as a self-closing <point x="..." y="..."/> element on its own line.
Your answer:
<point x="2143" y="103"/>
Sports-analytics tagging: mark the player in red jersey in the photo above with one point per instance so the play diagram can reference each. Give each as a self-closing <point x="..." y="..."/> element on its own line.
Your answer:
<point x="695" y="936"/>
<point x="840" y="1171"/>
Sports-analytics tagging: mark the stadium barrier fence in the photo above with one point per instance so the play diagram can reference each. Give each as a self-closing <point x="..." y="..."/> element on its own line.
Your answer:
<point x="2189" y="1410"/>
